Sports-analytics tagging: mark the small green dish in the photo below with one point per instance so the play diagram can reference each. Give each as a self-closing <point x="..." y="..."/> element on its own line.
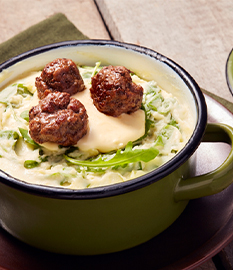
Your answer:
<point x="229" y="71"/>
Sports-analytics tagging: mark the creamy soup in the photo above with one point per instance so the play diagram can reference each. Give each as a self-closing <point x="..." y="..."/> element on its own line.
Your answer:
<point x="115" y="149"/>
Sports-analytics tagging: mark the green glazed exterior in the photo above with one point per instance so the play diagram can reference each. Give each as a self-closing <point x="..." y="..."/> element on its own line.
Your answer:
<point x="94" y="226"/>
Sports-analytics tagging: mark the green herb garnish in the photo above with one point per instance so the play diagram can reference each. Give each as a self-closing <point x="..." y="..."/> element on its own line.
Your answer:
<point x="128" y="155"/>
<point x="174" y="123"/>
<point x="96" y="69"/>
<point x="27" y="138"/>
<point x="9" y="134"/>
<point x="148" y="124"/>
<point x="156" y="102"/>
<point x="7" y="93"/>
<point x="25" y="115"/>
<point x="164" y="135"/>
<point x="22" y="90"/>
<point x="29" y="164"/>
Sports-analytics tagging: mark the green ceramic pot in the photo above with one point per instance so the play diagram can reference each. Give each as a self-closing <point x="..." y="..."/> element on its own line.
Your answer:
<point x="120" y="216"/>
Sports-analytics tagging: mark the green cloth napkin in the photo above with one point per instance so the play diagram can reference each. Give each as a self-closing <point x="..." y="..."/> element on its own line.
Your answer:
<point x="55" y="29"/>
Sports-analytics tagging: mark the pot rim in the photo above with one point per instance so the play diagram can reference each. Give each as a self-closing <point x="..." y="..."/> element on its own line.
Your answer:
<point x="228" y="74"/>
<point x="133" y="184"/>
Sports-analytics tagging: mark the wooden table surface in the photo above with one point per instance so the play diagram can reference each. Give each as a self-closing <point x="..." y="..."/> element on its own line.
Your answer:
<point x="196" y="34"/>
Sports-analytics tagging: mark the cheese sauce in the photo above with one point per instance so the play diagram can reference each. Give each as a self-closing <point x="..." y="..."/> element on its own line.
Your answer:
<point x="161" y="128"/>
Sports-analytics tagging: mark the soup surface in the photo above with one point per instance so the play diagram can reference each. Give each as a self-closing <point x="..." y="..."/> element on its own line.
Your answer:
<point x="115" y="149"/>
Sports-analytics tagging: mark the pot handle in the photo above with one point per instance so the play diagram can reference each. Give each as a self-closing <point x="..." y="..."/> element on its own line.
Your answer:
<point x="215" y="181"/>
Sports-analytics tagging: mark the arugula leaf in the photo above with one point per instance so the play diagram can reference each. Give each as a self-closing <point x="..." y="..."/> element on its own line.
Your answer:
<point x="29" y="164"/>
<point x="174" y="123"/>
<point x="148" y="124"/>
<point x="159" y="141"/>
<point x="165" y="107"/>
<point x="156" y="102"/>
<point x="12" y="90"/>
<point x="22" y="90"/>
<point x="7" y="93"/>
<point x="151" y="87"/>
<point x="96" y="69"/>
<point x="27" y="138"/>
<point x="167" y="131"/>
<point x="121" y="158"/>
<point x="164" y="135"/>
<point x="9" y="134"/>
<point x="25" y="115"/>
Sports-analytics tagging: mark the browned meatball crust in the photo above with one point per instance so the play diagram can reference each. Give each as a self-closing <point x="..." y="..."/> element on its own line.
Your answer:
<point x="59" y="119"/>
<point x="60" y="75"/>
<point x="114" y="93"/>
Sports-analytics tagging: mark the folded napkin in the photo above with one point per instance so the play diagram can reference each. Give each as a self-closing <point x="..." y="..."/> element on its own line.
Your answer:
<point x="55" y="29"/>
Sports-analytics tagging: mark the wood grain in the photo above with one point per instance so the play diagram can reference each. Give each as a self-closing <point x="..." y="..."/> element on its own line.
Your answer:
<point x="18" y="15"/>
<point x="196" y="34"/>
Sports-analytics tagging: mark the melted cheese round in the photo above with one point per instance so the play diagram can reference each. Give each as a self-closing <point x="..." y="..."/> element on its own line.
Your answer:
<point x="107" y="133"/>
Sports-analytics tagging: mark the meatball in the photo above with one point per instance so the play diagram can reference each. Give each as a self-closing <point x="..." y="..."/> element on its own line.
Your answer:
<point x="60" y="75"/>
<point x="59" y="119"/>
<point x="114" y="93"/>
